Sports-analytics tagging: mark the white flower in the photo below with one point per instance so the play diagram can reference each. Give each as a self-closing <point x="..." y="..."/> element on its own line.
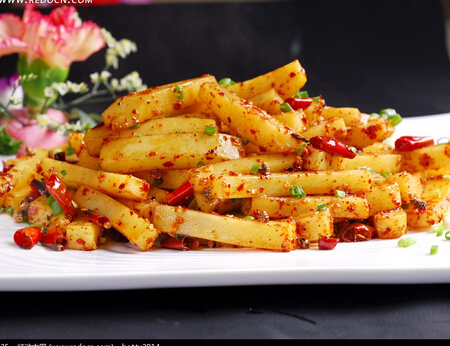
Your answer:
<point x="131" y="82"/>
<point x="109" y="39"/>
<point x="61" y="88"/>
<point x="117" y="49"/>
<point x="49" y="92"/>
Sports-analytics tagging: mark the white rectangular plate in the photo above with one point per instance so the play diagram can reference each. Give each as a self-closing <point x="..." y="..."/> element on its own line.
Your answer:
<point x="119" y="266"/>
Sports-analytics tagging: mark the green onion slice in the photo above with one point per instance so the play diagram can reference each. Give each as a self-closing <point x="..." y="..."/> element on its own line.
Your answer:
<point x="210" y="130"/>
<point x="434" y="249"/>
<point x="226" y="82"/>
<point x="301" y="94"/>
<point x="70" y="151"/>
<point x="339" y="193"/>
<point x="255" y="168"/>
<point x="179" y="92"/>
<point x="408" y="241"/>
<point x="297" y="191"/>
<point x="322" y="206"/>
<point x="286" y="107"/>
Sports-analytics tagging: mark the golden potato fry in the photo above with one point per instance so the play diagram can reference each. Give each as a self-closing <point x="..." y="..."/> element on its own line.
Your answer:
<point x="269" y="101"/>
<point x="248" y="121"/>
<point x="286" y="80"/>
<point x="272" y="235"/>
<point x="313" y="225"/>
<point x="374" y="130"/>
<point x="76" y="141"/>
<point x="431" y="157"/>
<point x="350" y="207"/>
<point x="279" y="184"/>
<point x="139" y="231"/>
<point x="390" y="224"/>
<point x="428" y="210"/>
<point x="410" y="185"/>
<point x="334" y="127"/>
<point x="294" y="119"/>
<point x="351" y="116"/>
<point x="100" y="134"/>
<point x="113" y="184"/>
<point x="383" y="197"/>
<point x="83" y="234"/>
<point x="155" y="102"/>
<point x="174" y="151"/>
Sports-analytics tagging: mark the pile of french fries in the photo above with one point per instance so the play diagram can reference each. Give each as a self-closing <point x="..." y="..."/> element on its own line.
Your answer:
<point x="210" y="137"/>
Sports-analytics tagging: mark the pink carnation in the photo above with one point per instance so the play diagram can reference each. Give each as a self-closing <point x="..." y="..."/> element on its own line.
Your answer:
<point x="58" y="38"/>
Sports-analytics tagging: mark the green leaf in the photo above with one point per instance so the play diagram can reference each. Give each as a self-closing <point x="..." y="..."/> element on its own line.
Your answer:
<point x="8" y="145"/>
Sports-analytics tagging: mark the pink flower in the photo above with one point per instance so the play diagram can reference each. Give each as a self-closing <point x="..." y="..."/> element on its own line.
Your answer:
<point x="58" y="38"/>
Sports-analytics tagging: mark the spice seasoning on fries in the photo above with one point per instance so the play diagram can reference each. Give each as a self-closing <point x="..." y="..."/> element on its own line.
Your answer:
<point x="253" y="164"/>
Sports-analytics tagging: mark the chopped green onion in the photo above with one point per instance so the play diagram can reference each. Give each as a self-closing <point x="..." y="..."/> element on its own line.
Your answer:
<point x="63" y="172"/>
<point x="437" y="227"/>
<point x="200" y="164"/>
<point x="339" y="193"/>
<point x="244" y="141"/>
<point x="446" y="177"/>
<point x="297" y="191"/>
<point x="301" y="94"/>
<point x="179" y="92"/>
<point x="353" y="149"/>
<point x="405" y="242"/>
<point x="447" y="235"/>
<point x="210" y="130"/>
<point x="437" y="193"/>
<point x="226" y="82"/>
<point x="316" y="99"/>
<point x="434" y="249"/>
<point x="385" y="175"/>
<point x="53" y="203"/>
<point x="158" y="181"/>
<point x="391" y="115"/>
<point x="2" y="209"/>
<point x="35" y="225"/>
<point x="70" y="151"/>
<point x="135" y="126"/>
<point x="10" y="211"/>
<point x="439" y="233"/>
<point x="286" y="107"/>
<point x="300" y="150"/>
<point x="322" y="206"/>
<point x="248" y="217"/>
<point x="255" y="168"/>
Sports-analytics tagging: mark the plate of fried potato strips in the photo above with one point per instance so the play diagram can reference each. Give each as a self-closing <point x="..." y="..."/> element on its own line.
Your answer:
<point x="207" y="182"/>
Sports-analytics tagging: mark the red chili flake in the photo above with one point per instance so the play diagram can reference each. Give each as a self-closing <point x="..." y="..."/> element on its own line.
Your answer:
<point x="121" y="186"/>
<point x="326" y="243"/>
<point x="168" y="164"/>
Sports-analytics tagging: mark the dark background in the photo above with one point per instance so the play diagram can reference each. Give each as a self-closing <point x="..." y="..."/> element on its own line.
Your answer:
<point x="369" y="54"/>
<point x="362" y="53"/>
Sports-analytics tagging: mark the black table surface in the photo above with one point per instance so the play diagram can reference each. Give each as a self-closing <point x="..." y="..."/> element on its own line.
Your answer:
<point x="366" y="54"/>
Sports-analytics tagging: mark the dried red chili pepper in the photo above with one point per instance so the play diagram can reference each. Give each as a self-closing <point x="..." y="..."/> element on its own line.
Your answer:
<point x="408" y="143"/>
<point x="183" y="192"/>
<point x="326" y="243"/>
<point x="332" y="146"/>
<point x="54" y="239"/>
<point x="297" y="103"/>
<point x="58" y="190"/>
<point x="356" y="232"/>
<point x="180" y="243"/>
<point x="100" y="220"/>
<point x="28" y="237"/>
